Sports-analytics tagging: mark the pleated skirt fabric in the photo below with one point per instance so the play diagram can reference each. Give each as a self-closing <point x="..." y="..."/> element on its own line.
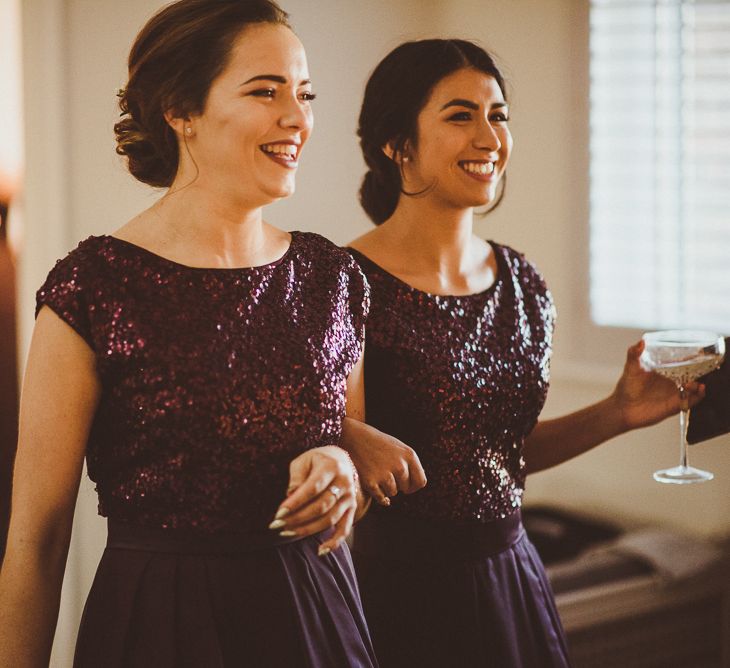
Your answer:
<point x="439" y="595"/>
<point x="161" y="602"/>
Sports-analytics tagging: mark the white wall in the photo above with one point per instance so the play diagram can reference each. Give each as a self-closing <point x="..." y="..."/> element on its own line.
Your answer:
<point x="75" y="52"/>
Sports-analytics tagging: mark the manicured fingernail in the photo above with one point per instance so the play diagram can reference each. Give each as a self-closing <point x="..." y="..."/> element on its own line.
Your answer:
<point x="287" y="533"/>
<point x="282" y="512"/>
<point x="322" y="551"/>
<point x="385" y="501"/>
<point x="277" y="524"/>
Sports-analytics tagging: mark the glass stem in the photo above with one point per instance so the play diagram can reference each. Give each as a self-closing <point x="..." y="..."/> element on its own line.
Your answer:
<point x="683" y="424"/>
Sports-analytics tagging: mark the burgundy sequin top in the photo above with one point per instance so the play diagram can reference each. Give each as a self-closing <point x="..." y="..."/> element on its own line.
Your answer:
<point x="213" y="380"/>
<point x="461" y="380"/>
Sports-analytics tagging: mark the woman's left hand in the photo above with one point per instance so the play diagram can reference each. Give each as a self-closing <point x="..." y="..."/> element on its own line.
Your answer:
<point x="644" y="397"/>
<point x="322" y="493"/>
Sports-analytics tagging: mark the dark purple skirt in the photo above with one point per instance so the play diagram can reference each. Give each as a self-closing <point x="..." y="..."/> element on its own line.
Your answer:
<point x="166" y="598"/>
<point x="440" y="594"/>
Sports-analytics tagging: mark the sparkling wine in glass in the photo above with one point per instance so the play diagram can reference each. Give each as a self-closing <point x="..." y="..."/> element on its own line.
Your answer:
<point x="682" y="356"/>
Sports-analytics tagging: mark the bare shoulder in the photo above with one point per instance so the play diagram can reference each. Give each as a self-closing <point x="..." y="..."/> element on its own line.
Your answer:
<point x="372" y="244"/>
<point x="139" y="229"/>
<point x="279" y="238"/>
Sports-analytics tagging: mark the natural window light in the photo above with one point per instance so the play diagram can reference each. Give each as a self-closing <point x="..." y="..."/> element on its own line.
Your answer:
<point x="660" y="163"/>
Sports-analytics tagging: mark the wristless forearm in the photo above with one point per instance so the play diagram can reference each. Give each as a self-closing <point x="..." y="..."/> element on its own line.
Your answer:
<point x="352" y="430"/>
<point x="30" y="594"/>
<point x="557" y="440"/>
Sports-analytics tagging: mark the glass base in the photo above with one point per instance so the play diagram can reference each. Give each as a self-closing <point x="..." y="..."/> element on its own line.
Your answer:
<point x="682" y="475"/>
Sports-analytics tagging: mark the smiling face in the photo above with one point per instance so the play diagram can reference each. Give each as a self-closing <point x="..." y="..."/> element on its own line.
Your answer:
<point x="463" y="143"/>
<point x="247" y="141"/>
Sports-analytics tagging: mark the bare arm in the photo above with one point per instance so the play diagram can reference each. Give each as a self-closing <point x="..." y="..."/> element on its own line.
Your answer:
<point x="558" y="440"/>
<point x="60" y="394"/>
<point x="641" y="398"/>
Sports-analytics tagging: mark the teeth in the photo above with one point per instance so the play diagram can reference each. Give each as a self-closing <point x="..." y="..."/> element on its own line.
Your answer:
<point x="482" y="168"/>
<point x="286" y="150"/>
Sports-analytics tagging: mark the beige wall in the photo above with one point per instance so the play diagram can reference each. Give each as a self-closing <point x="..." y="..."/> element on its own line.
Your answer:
<point x="543" y="45"/>
<point x="75" y="52"/>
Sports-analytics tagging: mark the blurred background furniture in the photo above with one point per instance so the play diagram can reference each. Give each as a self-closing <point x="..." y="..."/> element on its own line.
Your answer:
<point x="650" y="598"/>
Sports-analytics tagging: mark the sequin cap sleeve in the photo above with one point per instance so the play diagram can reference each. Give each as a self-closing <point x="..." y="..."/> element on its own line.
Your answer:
<point x="68" y="289"/>
<point x="212" y="380"/>
<point x="358" y="307"/>
<point x="462" y="380"/>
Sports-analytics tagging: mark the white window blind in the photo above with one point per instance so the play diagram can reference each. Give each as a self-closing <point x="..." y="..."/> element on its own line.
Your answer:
<point x="660" y="163"/>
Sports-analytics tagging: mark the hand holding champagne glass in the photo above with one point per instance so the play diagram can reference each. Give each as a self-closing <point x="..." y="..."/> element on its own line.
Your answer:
<point x="682" y="356"/>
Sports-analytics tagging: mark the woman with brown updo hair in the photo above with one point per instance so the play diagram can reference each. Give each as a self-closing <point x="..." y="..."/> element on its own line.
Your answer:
<point x="458" y="341"/>
<point x="198" y="359"/>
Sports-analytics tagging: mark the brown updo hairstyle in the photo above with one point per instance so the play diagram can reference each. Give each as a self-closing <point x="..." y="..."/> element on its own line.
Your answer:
<point x="172" y="64"/>
<point x="395" y="94"/>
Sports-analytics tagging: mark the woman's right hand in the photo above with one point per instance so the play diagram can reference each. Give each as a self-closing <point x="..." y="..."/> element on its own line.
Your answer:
<point x="385" y="465"/>
<point x="323" y="493"/>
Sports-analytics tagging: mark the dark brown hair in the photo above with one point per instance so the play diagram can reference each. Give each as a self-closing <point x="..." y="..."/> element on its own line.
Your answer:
<point x="172" y="64"/>
<point x="395" y="94"/>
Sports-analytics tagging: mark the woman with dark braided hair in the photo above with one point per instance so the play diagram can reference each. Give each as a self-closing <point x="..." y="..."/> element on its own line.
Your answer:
<point x="458" y="344"/>
<point x="198" y="359"/>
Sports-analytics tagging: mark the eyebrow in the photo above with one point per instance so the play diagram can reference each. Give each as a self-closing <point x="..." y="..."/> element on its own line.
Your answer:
<point x="459" y="102"/>
<point x="275" y="78"/>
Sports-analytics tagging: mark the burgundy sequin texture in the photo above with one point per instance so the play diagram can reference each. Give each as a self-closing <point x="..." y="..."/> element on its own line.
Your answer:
<point x="462" y="380"/>
<point x="213" y="380"/>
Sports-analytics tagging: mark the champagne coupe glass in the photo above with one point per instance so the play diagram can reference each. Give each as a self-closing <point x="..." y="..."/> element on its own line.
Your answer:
<point x="682" y="356"/>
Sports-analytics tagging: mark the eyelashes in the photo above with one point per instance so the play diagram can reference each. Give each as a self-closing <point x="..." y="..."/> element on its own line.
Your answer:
<point x="263" y="92"/>
<point x="306" y="96"/>
<point x="460" y="116"/>
<point x="466" y="116"/>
